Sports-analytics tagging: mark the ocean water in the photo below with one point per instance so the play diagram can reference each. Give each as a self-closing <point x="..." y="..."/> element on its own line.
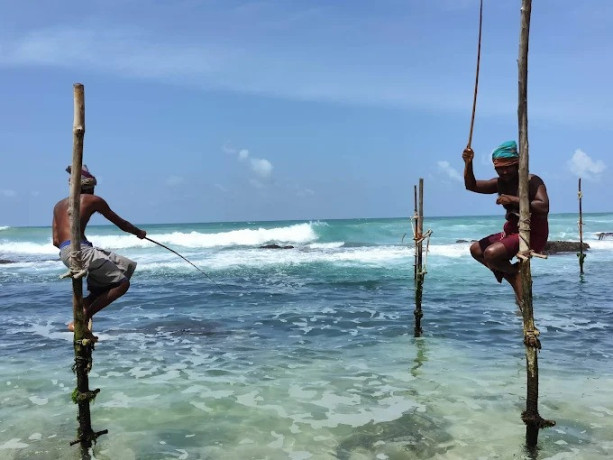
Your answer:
<point x="308" y="353"/>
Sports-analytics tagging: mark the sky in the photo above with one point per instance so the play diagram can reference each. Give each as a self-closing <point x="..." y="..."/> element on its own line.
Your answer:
<point x="227" y="110"/>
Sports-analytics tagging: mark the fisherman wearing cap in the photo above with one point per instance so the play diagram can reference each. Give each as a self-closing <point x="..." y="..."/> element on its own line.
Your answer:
<point x="496" y="251"/>
<point x="108" y="273"/>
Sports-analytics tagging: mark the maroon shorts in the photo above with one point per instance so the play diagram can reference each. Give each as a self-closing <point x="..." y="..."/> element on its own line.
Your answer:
<point x="510" y="240"/>
<point x="510" y="237"/>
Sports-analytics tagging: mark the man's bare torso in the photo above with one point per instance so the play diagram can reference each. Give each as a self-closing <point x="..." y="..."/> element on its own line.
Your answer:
<point x="61" y="220"/>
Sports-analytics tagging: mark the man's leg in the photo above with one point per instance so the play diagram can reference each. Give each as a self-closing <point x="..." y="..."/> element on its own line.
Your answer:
<point x="477" y="252"/>
<point x="478" y="249"/>
<point x="98" y="300"/>
<point x="107" y="297"/>
<point x="515" y="282"/>
<point x="87" y="301"/>
<point x="496" y="257"/>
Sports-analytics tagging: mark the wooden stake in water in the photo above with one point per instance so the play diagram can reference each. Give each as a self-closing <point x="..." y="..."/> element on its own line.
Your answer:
<point x="419" y="271"/>
<point x="581" y="255"/>
<point x="534" y="422"/>
<point x="82" y="346"/>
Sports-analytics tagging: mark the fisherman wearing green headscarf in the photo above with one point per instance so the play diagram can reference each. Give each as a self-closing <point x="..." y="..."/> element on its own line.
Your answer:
<point x="497" y="250"/>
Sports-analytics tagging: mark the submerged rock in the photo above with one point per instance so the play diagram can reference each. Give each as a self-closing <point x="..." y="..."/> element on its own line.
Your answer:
<point x="553" y="247"/>
<point x="603" y="235"/>
<point x="412" y="435"/>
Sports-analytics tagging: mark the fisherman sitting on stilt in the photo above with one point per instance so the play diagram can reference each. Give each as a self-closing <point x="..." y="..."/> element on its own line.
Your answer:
<point x="108" y="273"/>
<point x="496" y="251"/>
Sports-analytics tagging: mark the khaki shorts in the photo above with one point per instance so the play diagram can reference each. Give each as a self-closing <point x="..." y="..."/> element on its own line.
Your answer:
<point x="105" y="268"/>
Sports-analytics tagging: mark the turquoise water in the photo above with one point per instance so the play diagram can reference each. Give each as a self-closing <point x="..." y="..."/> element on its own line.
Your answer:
<point x="308" y="353"/>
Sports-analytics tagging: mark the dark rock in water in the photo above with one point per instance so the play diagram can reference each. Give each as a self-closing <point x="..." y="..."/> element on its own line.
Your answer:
<point x="603" y="235"/>
<point x="275" y="246"/>
<point x="553" y="247"/>
<point x="412" y="435"/>
<point x="465" y="241"/>
<point x="4" y="261"/>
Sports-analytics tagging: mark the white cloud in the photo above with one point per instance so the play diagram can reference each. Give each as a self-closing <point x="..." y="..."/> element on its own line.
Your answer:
<point x="260" y="167"/>
<point x="583" y="166"/>
<point x="132" y="52"/>
<point x="447" y="169"/>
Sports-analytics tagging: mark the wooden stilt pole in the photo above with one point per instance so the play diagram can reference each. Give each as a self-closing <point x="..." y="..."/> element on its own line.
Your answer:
<point x="530" y="416"/>
<point x="415" y="231"/>
<point x="82" y="346"/>
<point x="581" y="255"/>
<point x="419" y="271"/>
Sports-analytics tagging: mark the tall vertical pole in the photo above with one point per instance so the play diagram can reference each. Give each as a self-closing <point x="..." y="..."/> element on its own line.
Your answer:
<point x="419" y="272"/>
<point x="581" y="254"/>
<point x="415" y="232"/>
<point x="530" y="416"/>
<point x="82" y="346"/>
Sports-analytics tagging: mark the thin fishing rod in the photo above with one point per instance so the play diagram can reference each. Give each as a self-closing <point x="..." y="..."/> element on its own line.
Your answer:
<point x="472" y="119"/>
<point x="189" y="262"/>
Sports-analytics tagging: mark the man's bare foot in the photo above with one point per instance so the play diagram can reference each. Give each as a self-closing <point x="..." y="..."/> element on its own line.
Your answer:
<point x="88" y="334"/>
<point x="86" y="305"/>
<point x="71" y="326"/>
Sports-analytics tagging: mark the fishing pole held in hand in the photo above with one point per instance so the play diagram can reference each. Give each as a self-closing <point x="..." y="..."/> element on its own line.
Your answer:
<point x="472" y="119"/>
<point x="188" y="261"/>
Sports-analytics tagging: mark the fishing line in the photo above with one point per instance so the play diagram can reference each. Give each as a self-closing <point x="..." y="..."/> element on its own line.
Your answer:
<point x="472" y="120"/>
<point x="189" y="262"/>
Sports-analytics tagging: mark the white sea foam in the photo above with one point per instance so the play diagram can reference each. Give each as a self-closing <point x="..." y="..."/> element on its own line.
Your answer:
<point x="28" y="248"/>
<point x="601" y="245"/>
<point x="333" y="245"/>
<point x="262" y="257"/>
<point x="297" y="234"/>
<point x="4" y="227"/>
<point x="450" y="250"/>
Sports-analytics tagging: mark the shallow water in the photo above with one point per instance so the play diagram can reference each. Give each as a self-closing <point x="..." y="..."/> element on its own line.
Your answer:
<point x="308" y="353"/>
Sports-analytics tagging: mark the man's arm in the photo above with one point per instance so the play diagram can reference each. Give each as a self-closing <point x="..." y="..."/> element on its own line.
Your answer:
<point x="538" y="205"/>
<point x="103" y="208"/>
<point x="472" y="184"/>
<point x="56" y="238"/>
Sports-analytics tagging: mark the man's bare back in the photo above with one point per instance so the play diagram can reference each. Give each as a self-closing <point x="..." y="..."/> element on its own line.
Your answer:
<point x="90" y="204"/>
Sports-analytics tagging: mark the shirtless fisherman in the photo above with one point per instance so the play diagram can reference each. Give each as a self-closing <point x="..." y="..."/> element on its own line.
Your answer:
<point x="496" y="251"/>
<point x="108" y="273"/>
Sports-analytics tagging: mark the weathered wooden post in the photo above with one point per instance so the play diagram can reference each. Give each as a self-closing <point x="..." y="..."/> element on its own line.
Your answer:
<point x="581" y="255"/>
<point x="530" y="416"/>
<point x="82" y="346"/>
<point x="419" y="271"/>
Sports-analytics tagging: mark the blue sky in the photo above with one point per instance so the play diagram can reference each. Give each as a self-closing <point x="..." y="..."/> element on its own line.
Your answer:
<point x="223" y="110"/>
